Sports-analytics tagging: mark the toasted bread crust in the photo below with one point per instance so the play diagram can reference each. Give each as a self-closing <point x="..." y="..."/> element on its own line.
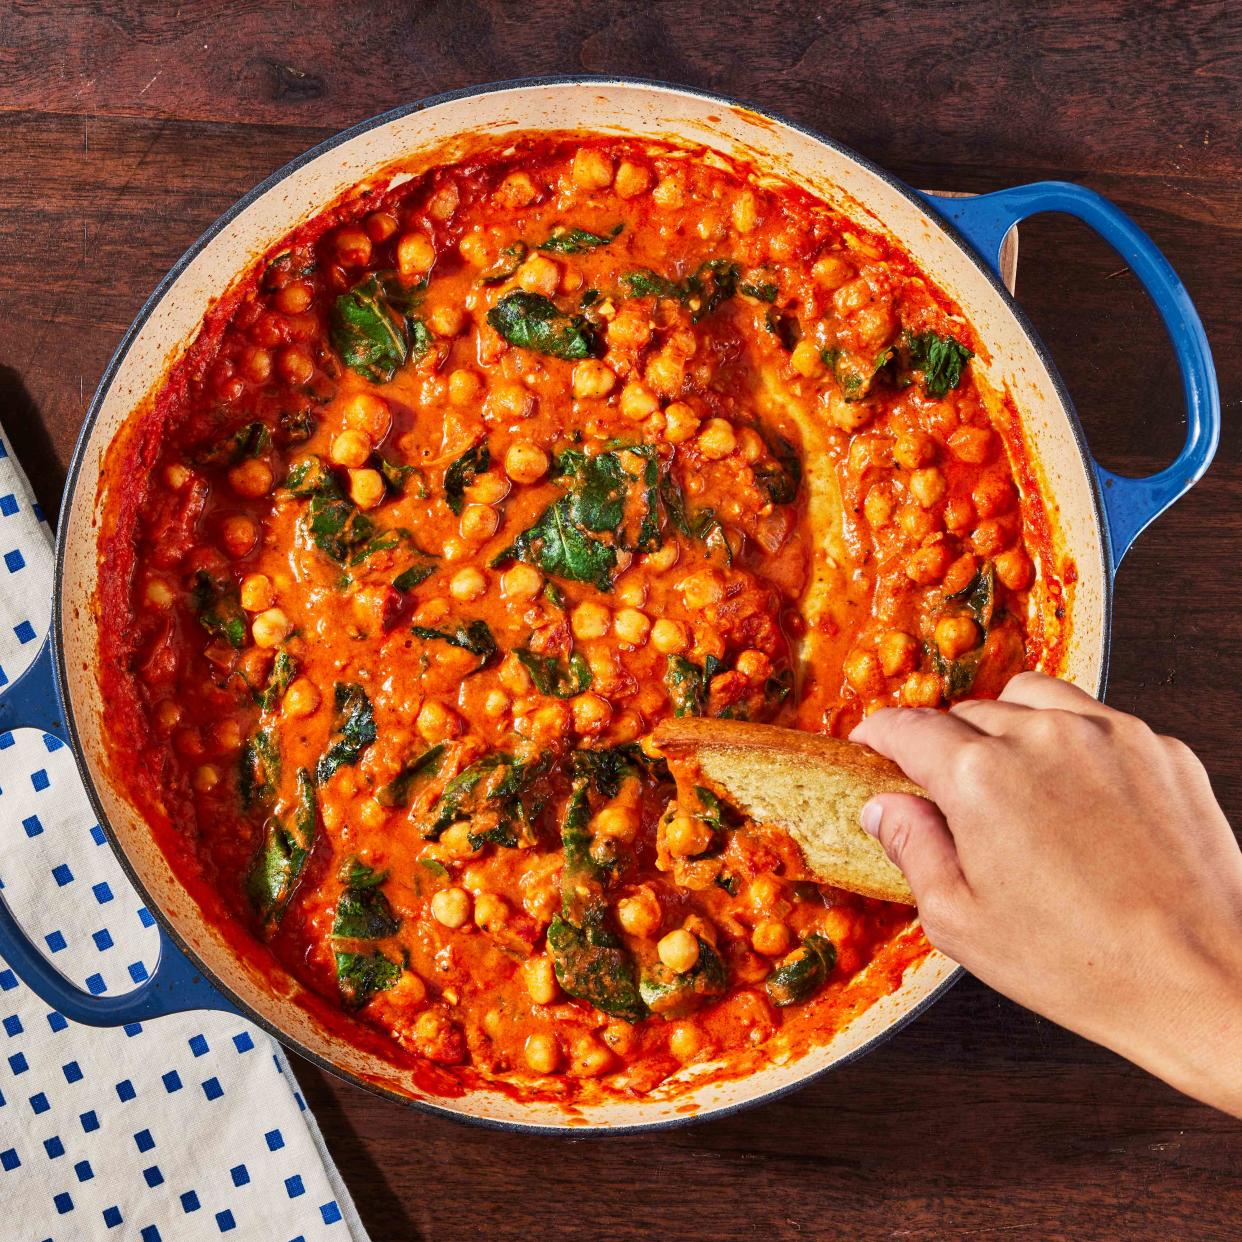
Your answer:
<point x="811" y="786"/>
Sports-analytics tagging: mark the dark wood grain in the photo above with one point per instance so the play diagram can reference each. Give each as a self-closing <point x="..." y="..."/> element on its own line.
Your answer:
<point x="126" y="127"/>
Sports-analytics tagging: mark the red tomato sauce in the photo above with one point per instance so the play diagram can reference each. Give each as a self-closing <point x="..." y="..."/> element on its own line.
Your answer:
<point x="470" y="483"/>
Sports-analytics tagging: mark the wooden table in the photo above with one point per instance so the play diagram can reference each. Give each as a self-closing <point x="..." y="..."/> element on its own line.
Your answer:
<point x="128" y="126"/>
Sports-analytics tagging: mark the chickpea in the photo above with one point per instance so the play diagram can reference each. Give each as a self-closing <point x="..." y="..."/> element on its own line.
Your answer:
<point x="955" y="636"/>
<point x="717" y="439"/>
<point x="296" y="364"/>
<point x="639" y="914"/>
<point x="989" y="538"/>
<point x="631" y="626"/>
<point x="863" y="672"/>
<point x="168" y="715"/>
<point x="521" y="581"/>
<point x="294" y="298"/>
<point x="251" y="478"/>
<point x="754" y="666"/>
<point x="490" y="911"/>
<point x="301" y="699"/>
<point x="592" y="169"/>
<point x="455" y="842"/>
<point x="369" y="414"/>
<point x="447" y="319"/>
<point x="959" y="514"/>
<point x="436" y="723"/>
<point x="592" y="379"/>
<point x="771" y="938"/>
<point x="685" y="836"/>
<point x="805" y="359"/>
<point x="685" y="1041"/>
<point x="467" y="584"/>
<point x="451" y="907"/>
<point x="539" y="274"/>
<point x="591" y="713"/>
<point x="631" y="591"/>
<point x="680" y="422"/>
<point x="669" y="637"/>
<point x="831" y="271"/>
<point x="488" y="489"/>
<point x="206" y="778"/>
<point x="958" y="576"/>
<point x="257" y="594"/>
<point x="631" y="180"/>
<point x="542" y="1053"/>
<point x="972" y="444"/>
<point x="879" y="504"/>
<point x="899" y="653"/>
<point x="679" y="950"/>
<point x="464" y="387"/>
<point x="914" y="450"/>
<point x="160" y="594"/>
<point x="415" y="255"/>
<point x="669" y="193"/>
<point x="849" y="415"/>
<point x="525" y="462"/>
<point x="366" y="488"/>
<point x="927" y="566"/>
<point x="993" y="495"/>
<point x="590" y="620"/>
<point x="256" y="363"/>
<point x="662" y="559"/>
<point x="540" y="979"/>
<point x="515" y="677"/>
<point x="509" y="401"/>
<point x="517" y="190"/>
<point x="745" y="212"/>
<point x="549" y="724"/>
<point x="701" y="590"/>
<point x="665" y="373"/>
<point x="270" y="628"/>
<point x="750" y="446"/>
<point x="921" y="690"/>
<point x="638" y="402"/>
<point x="350" y="449"/>
<point x="927" y="486"/>
<point x="176" y="475"/>
<point x="353" y="248"/>
<point x="380" y="226"/>
<point x="917" y="523"/>
<point x="478" y="522"/>
<point x="619" y="821"/>
<point x="1014" y="569"/>
<point x="589" y="1057"/>
<point x="473" y="247"/>
<point x="496" y="704"/>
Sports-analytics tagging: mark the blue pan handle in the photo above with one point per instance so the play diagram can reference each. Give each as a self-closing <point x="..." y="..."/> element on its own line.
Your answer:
<point x="1130" y="505"/>
<point x="176" y="984"/>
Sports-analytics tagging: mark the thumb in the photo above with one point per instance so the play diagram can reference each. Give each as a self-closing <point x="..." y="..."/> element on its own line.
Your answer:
<point x="917" y="839"/>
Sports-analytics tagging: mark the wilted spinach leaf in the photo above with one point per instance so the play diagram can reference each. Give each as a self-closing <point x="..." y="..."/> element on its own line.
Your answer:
<point x="780" y="477"/>
<point x="674" y="994"/>
<point x="259" y="769"/>
<point x="474" y="637"/>
<point x="363" y="913"/>
<point x="399" y="790"/>
<point x="408" y="579"/>
<point x="284" y="669"/>
<point x="940" y="358"/>
<point x="592" y="965"/>
<point x="761" y="291"/>
<point x="511" y="258"/>
<point x="336" y="526"/>
<point x="472" y="463"/>
<point x="219" y="609"/>
<point x="532" y="321"/>
<point x="252" y="440"/>
<point x="575" y="241"/>
<point x="803" y="972"/>
<point x="550" y="675"/>
<point x="361" y="975"/>
<point x="496" y="786"/>
<point x="372" y="335"/>
<point x="558" y="546"/>
<point x="287" y="843"/>
<point x="688" y="684"/>
<point x="353" y="730"/>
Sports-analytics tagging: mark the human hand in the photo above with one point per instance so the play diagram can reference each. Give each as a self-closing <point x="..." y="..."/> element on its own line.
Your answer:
<point x="1079" y="863"/>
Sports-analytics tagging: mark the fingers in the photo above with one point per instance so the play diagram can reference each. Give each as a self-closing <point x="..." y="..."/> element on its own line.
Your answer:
<point x="1039" y="690"/>
<point x="919" y="741"/>
<point x="915" y="836"/>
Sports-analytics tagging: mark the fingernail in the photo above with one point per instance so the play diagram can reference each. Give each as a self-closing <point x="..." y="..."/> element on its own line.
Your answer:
<point x="872" y="813"/>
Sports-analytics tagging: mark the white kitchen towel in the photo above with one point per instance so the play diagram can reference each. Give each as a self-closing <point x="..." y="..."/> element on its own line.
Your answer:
<point x="180" y="1128"/>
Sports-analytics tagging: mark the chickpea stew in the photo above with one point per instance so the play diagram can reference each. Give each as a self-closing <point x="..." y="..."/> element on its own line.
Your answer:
<point x="472" y="481"/>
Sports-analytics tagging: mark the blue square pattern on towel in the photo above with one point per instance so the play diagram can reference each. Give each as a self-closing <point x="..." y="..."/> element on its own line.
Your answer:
<point x="106" y="1104"/>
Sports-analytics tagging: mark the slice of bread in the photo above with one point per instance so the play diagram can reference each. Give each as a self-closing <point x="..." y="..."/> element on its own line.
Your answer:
<point x="811" y="786"/>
